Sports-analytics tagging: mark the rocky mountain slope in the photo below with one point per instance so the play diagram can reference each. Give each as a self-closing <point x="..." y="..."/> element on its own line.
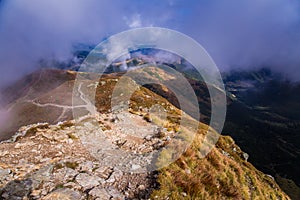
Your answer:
<point x="43" y="96"/>
<point x="263" y="118"/>
<point x="72" y="159"/>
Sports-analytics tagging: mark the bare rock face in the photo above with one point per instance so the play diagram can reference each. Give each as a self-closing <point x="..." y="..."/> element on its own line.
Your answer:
<point x="87" y="181"/>
<point x="5" y="174"/>
<point x="53" y="163"/>
<point x="17" y="189"/>
<point x="116" y="175"/>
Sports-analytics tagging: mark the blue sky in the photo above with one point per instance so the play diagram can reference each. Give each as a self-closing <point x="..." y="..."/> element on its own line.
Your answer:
<point x="236" y="33"/>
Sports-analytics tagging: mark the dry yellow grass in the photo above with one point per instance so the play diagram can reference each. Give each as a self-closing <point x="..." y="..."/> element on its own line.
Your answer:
<point x="217" y="176"/>
<point x="222" y="174"/>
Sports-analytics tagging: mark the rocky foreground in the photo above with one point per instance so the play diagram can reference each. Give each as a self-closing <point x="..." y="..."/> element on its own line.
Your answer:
<point x="45" y="161"/>
<point x="50" y="162"/>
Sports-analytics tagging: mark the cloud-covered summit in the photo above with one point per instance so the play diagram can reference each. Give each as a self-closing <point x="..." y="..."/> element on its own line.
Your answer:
<point x="237" y="34"/>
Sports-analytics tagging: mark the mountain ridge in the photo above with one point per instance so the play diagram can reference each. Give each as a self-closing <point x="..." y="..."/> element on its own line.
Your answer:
<point x="170" y="181"/>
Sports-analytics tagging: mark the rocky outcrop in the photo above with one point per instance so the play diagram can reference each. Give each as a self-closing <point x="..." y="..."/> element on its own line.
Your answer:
<point x="50" y="162"/>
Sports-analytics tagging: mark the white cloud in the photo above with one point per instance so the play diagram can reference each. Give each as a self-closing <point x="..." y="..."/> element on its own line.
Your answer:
<point x="134" y="22"/>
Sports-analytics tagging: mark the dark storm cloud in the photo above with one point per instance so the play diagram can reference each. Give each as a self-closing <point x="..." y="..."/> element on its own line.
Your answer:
<point x="236" y="33"/>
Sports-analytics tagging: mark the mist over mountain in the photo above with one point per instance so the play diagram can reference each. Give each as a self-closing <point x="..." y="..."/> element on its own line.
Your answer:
<point x="238" y="35"/>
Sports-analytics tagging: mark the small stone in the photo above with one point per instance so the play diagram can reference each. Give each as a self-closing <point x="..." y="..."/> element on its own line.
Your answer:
<point x="148" y="137"/>
<point x="100" y="193"/>
<point x="168" y="138"/>
<point x="115" y="193"/>
<point x="5" y="195"/>
<point x="126" y="194"/>
<point x="246" y="156"/>
<point x="160" y="133"/>
<point x="65" y="174"/>
<point x="141" y="187"/>
<point x="47" y="136"/>
<point x="183" y="194"/>
<point x="42" y="175"/>
<point x="115" y="176"/>
<point x="135" y="167"/>
<point x="3" y="153"/>
<point x="59" y="154"/>
<point x="69" y="141"/>
<point x="225" y="153"/>
<point x="34" y="151"/>
<point x="86" y="166"/>
<point x="5" y="174"/>
<point x="87" y="181"/>
<point x="45" y="159"/>
<point x="270" y="176"/>
<point x="64" y="193"/>
<point x="103" y="172"/>
<point x="147" y="118"/>
<point x="17" y="189"/>
<point x="35" y="194"/>
<point x="70" y="185"/>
